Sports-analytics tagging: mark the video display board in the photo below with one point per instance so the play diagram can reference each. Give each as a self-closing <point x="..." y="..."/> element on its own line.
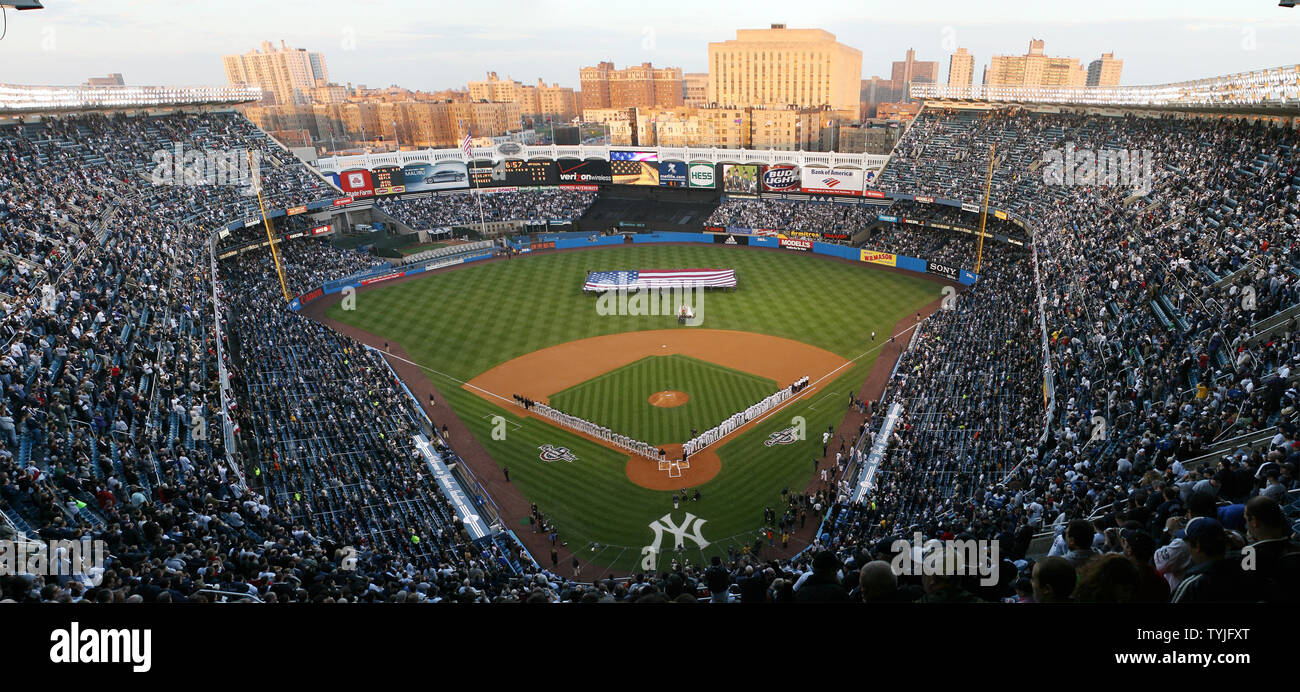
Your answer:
<point x="740" y="178"/>
<point x="634" y="167"/>
<point x="444" y="175"/>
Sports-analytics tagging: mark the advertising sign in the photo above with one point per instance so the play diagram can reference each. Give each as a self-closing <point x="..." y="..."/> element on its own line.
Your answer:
<point x="590" y="171"/>
<point x="356" y="183"/>
<point x="885" y="258"/>
<point x="672" y="173"/>
<point x="702" y="175"/>
<point x="800" y="245"/>
<point x="781" y="179"/>
<point x="943" y="270"/>
<point x="444" y="175"/>
<point x="832" y="181"/>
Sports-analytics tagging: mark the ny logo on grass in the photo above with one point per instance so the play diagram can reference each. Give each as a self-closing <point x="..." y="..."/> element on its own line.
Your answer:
<point x="689" y="528"/>
<point x="686" y="303"/>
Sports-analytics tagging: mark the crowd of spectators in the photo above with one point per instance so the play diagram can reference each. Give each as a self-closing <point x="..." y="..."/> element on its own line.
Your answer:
<point x="110" y="423"/>
<point x="1166" y="326"/>
<point x="434" y="211"/>
<point x="783" y="215"/>
<point x="1154" y="315"/>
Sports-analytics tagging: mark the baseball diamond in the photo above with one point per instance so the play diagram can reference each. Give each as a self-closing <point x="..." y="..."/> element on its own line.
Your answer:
<point x="481" y="335"/>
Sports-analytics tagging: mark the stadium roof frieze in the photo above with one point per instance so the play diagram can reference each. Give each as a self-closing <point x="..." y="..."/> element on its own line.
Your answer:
<point x="513" y="150"/>
<point x="1274" y="91"/>
<point x="24" y="99"/>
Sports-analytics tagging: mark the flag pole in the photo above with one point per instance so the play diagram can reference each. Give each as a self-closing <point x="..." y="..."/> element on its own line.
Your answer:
<point x="469" y="170"/>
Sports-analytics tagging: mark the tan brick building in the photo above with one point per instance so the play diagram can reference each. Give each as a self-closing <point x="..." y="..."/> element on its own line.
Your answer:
<point x="784" y="67"/>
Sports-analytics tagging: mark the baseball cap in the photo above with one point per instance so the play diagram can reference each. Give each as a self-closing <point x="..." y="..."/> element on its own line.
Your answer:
<point x="1202" y="528"/>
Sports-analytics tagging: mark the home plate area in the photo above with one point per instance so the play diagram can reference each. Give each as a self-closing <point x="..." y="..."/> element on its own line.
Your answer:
<point x="651" y="394"/>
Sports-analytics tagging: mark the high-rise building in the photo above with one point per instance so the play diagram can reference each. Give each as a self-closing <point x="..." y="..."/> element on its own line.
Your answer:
<point x="695" y="89"/>
<point x="875" y="91"/>
<point x="113" y="79"/>
<point x="495" y="90"/>
<point x="961" y="68"/>
<point x="594" y="82"/>
<point x="912" y="71"/>
<point x="554" y="102"/>
<point x="805" y="68"/>
<point x="286" y="75"/>
<point x="550" y="103"/>
<point x="638" y="86"/>
<point x="1105" y="70"/>
<point x="1035" y="69"/>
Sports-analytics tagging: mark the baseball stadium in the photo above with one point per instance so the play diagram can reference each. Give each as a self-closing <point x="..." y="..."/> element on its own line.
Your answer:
<point x="1058" y="321"/>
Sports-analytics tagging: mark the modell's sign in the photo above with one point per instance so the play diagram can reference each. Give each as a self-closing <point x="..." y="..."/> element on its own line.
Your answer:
<point x="781" y="178"/>
<point x="800" y="245"/>
<point x="885" y="258"/>
<point x="924" y="200"/>
<point x="873" y="194"/>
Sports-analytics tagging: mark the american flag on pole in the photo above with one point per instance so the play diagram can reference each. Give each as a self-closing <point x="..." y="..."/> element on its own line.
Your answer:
<point x="464" y="143"/>
<point x="660" y="278"/>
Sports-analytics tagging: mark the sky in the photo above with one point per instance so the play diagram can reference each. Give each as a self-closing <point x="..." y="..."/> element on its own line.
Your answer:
<point x="436" y="45"/>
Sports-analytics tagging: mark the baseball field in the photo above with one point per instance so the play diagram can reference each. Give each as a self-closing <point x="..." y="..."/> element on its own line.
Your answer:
<point x="481" y="334"/>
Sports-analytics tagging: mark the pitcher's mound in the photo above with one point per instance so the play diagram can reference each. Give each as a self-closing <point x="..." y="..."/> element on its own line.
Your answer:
<point x="669" y="398"/>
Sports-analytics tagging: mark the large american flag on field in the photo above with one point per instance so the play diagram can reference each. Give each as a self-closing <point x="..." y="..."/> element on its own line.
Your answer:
<point x="633" y="280"/>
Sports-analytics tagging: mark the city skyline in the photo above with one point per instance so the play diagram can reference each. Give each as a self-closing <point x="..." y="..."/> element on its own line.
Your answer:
<point x="421" y="48"/>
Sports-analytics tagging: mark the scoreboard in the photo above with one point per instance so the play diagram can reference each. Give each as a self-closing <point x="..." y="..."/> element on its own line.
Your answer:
<point x="388" y="180"/>
<point x="530" y="172"/>
<point x="515" y="173"/>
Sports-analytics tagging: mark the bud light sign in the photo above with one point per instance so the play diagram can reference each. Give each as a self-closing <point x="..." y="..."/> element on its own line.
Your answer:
<point x="781" y="179"/>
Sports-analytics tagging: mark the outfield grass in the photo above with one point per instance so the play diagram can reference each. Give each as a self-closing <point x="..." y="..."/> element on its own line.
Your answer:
<point x="619" y="399"/>
<point x="461" y="323"/>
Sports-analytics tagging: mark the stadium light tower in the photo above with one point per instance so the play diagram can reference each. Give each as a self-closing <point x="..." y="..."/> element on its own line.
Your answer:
<point x="266" y="223"/>
<point x="984" y="210"/>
